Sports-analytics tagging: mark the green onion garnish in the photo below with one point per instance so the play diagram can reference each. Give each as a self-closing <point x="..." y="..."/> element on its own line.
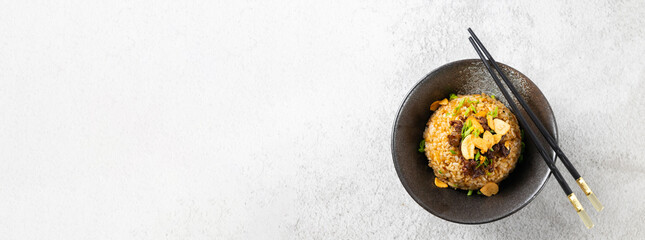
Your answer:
<point x="494" y="112"/>
<point x="472" y="108"/>
<point x="439" y="171"/>
<point x="461" y="104"/>
<point x="470" y="192"/>
<point x="453" y="152"/>
<point x="492" y="96"/>
<point x="477" y="156"/>
<point x="522" y="133"/>
<point x="465" y="128"/>
<point x="489" y="173"/>
<point x="521" y="158"/>
<point x="468" y="131"/>
<point x="479" y="192"/>
<point x="476" y="132"/>
<point x="452" y="96"/>
<point x="422" y="145"/>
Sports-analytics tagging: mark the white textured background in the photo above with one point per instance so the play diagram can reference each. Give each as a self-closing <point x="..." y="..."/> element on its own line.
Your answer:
<point x="272" y="120"/>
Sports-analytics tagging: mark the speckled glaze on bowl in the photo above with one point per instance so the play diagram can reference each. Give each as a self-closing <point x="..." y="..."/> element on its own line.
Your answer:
<point x="523" y="184"/>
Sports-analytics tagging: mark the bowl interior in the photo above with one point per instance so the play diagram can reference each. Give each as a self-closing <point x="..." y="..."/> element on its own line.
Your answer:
<point x="467" y="77"/>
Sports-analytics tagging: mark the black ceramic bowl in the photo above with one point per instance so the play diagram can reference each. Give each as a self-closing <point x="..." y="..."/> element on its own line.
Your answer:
<point x="516" y="191"/>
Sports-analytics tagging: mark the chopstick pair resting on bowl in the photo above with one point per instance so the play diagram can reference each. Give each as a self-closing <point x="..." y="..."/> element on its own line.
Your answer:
<point x="479" y="47"/>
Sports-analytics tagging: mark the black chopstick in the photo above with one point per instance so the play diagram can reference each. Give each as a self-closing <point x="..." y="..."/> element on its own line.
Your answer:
<point x="558" y="176"/>
<point x="565" y="160"/>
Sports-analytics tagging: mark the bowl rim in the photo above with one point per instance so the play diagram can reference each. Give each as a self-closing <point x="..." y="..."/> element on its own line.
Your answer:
<point x="397" y="167"/>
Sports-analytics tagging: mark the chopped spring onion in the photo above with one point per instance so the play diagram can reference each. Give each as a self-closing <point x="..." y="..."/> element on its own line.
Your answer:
<point x="461" y="104"/>
<point x="468" y="132"/>
<point x="480" y="162"/>
<point x="486" y="162"/>
<point x="453" y="152"/>
<point x="422" y="146"/>
<point x="521" y="158"/>
<point x="439" y="171"/>
<point x="477" y="156"/>
<point x="522" y="133"/>
<point x="452" y="96"/>
<point x="492" y="96"/>
<point x="465" y="127"/>
<point x="479" y="192"/>
<point x="494" y="112"/>
<point x="476" y="132"/>
<point x="470" y="192"/>
<point x="472" y="108"/>
<point x="489" y="173"/>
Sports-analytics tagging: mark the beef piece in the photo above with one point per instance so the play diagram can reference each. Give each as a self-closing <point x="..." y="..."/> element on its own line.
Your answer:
<point x="484" y="123"/>
<point x="457" y="125"/>
<point x="500" y="150"/>
<point x="489" y="154"/>
<point x="470" y="168"/>
<point x="505" y="151"/>
<point x="497" y="149"/>
<point x="454" y="138"/>
<point x="494" y="152"/>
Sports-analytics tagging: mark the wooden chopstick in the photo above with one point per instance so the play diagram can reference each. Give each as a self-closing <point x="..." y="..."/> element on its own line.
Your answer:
<point x="565" y="160"/>
<point x="556" y="173"/>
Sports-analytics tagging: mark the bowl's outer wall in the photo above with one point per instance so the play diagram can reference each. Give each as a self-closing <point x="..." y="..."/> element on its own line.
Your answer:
<point x="418" y="179"/>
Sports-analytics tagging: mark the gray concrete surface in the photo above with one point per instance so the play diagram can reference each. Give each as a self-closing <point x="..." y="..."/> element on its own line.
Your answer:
<point x="272" y="119"/>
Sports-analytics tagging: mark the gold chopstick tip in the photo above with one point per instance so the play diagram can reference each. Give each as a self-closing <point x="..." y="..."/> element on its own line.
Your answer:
<point x="595" y="202"/>
<point x="585" y="219"/>
<point x="590" y="195"/>
<point x="580" y="210"/>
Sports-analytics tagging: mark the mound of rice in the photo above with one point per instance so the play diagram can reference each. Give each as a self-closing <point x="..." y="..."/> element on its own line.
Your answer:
<point x="446" y="159"/>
